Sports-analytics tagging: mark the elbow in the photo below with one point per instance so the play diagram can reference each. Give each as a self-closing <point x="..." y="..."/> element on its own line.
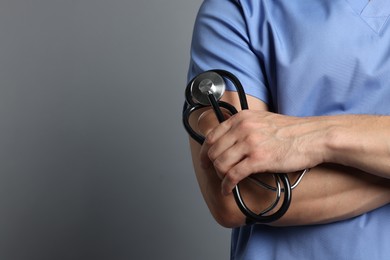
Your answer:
<point x="228" y="222"/>
<point x="228" y="217"/>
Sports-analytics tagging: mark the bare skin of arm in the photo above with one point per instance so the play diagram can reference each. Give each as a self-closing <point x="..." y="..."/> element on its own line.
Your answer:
<point x="329" y="193"/>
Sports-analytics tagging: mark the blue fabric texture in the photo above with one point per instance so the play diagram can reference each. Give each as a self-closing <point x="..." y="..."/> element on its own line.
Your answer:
<point x="304" y="58"/>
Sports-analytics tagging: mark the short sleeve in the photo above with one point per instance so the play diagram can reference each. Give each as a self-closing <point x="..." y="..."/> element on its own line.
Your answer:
<point x="221" y="41"/>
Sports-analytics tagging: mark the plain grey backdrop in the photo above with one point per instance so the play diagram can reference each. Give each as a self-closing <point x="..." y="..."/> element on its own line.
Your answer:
<point x="94" y="162"/>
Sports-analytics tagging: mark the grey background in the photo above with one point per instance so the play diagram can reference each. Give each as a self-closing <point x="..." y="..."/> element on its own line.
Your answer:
<point x="94" y="162"/>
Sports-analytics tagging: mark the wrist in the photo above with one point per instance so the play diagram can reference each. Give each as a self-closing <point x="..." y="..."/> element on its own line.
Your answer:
<point x="342" y="138"/>
<point x="335" y="138"/>
<point x="319" y="135"/>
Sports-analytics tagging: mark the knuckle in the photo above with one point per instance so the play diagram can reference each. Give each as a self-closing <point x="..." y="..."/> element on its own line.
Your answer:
<point x="258" y="154"/>
<point x="211" y="154"/>
<point x="219" y="166"/>
<point x="251" y="140"/>
<point x="232" y="177"/>
<point x="209" y="138"/>
<point x="244" y="125"/>
<point x="245" y="113"/>
<point x="224" y="125"/>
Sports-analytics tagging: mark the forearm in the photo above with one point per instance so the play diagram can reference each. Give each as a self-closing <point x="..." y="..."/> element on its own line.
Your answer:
<point x="328" y="193"/>
<point x="331" y="193"/>
<point x="259" y="141"/>
<point x="360" y="141"/>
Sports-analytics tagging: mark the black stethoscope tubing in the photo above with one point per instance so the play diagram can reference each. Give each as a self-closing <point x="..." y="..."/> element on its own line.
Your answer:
<point x="192" y="106"/>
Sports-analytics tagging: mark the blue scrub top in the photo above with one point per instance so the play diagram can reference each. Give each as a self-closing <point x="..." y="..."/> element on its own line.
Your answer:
<point x="304" y="58"/>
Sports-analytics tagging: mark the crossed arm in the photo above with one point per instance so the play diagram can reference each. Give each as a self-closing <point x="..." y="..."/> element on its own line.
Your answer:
<point x="349" y="157"/>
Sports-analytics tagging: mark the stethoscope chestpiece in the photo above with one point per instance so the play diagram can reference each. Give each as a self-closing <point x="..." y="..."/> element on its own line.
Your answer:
<point x="205" y="84"/>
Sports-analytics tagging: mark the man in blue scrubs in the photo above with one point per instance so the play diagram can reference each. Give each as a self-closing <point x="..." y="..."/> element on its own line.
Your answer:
<point x="317" y="76"/>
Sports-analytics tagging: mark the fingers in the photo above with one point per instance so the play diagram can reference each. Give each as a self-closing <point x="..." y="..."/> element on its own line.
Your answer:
<point x="236" y="174"/>
<point x="254" y="142"/>
<point x="220" y="139"/>
<point x="227" y="148"/>
<point x="224" y="144"/>
<point x="207" y="121"/>
<point x="212" y="135"/>
<point x="232" y="166"/>
<point x="205" y="161"/>
<point x="223" y="151"/>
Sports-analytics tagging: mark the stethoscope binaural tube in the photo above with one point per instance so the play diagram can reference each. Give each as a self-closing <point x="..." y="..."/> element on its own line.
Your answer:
<point x="205" y="90"/>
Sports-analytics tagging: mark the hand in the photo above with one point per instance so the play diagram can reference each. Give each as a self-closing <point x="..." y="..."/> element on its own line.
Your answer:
<point x="258" y="142"/>
<point x="207" y="121"/>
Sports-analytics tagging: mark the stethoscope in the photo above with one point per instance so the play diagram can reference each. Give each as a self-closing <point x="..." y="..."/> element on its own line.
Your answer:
<point x="205" y="91"/>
